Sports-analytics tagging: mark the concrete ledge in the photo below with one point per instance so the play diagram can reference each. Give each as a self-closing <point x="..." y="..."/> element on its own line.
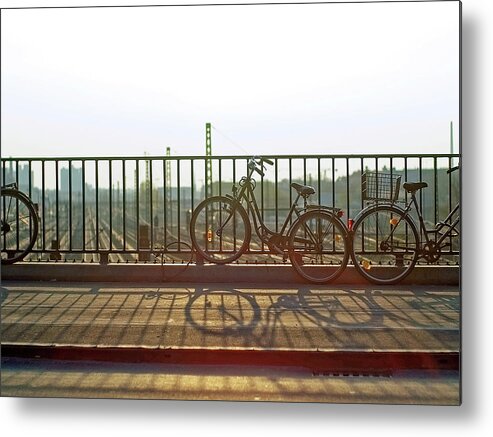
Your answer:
<point x="209" y="273"/>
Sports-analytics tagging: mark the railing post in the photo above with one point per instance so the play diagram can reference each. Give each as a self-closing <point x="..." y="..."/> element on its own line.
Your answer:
<point x="144" y="243"/>
<point x="55" y="256"/>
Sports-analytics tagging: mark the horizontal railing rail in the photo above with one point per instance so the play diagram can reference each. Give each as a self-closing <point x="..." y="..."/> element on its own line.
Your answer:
<point x="130" y="209"/>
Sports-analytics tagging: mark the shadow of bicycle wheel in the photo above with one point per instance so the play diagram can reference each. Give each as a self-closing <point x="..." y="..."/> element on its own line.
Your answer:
<point x="222" y="311"/>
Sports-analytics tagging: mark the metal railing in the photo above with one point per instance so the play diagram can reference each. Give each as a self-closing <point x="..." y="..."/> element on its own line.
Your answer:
<point x="138" y="208"/>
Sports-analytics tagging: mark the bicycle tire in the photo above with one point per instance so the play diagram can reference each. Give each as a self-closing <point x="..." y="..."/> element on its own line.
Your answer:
<point x="215" y="236"/>
<point x="318" y="247"/>
<point x="19" y="225"/>
<point x="385" y="244"/>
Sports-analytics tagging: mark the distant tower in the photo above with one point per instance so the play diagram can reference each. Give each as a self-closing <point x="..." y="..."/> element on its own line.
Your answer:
<point x="208" y="161"/>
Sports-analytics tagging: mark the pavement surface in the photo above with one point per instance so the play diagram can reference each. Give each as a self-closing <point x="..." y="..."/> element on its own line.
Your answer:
<point x="226" y="317"/>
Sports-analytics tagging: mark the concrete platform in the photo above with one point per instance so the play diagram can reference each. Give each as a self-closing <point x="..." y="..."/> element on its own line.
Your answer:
<point x="110" y="330"/>
<point x="86" y="379"/>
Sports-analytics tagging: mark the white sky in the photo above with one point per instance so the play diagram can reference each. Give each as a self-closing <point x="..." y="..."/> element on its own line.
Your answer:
<point x="285" y="79"/>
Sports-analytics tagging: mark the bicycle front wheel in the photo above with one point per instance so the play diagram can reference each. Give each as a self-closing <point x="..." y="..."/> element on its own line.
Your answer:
<point x="385" y="245"/>
<point x="318" y="247"/>
<point x="19" y="226"/>
<point x="220" y="230"/>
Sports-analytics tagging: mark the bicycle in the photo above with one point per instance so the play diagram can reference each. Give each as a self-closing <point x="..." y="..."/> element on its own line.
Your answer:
<point x="386" y="244"/>
<point x="19" y="224"/>
<point x="316" y="243"/>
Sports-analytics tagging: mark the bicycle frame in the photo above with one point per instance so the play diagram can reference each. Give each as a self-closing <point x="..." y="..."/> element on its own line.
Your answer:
<point x="422" y="227"/>
<point x="247" y="194"/>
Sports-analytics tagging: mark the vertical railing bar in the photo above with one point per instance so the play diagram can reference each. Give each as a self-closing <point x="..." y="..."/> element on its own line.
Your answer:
<point x="70" y="205"/>
<point x="450" y="201"/>
<point x="405" y="177"/>
<point x="421" y="193"/>
<point x="43" y="190"/>
<point x="165" y="204"/>
<point x="392" y="191"/>
<point x="124" y="206"/>
<point x="319" y="182"/>
<point x="17" y="204"/>
<point x="83" y="206"/>
<point x="30" y="194"/>
<point x="56" y="205"/>
<point x="405" y="196"/>
<point x="450" y="185"/>
<point x="234" y="182"/>
<point x="347" y="187"/>
<point x="220" y="212"/>
<point x="277" y="192"/>
<point x="4" y="165"/>
<point x="192" y="194"/>
<point x="435" y="188"/>
<point x="391" y="178"/>
<point x="333" y="182"/>
<point x="304" y="171"/>
<point x="151" y="208"/>
<point x="96" y="171"/>
<point x="377" y="195"/>
<point x="30" y="191"/>
<point x="362" y="168"/>
<point x="262" y="246"/>
<point x="137" y="203"/>
<point x="290" y="182"/>
<point x="110" y="200"/>
<point x="178" y="201"/>
<point x="220" y="163"/>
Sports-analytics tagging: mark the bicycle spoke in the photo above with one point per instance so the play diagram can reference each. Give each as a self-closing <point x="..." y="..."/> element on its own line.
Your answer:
<point x="385" y="245"/>
<point x="318" y="247"/>
<point x="219" y="230"/>
<point x="19" y="226"/>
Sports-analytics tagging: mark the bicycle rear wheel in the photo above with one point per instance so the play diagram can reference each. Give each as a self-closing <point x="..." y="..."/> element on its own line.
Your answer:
<point x="220" y="230"/>
<point x="385" y="245"/>
<point x="19" y="226"/>
<point x="318" y="247"/>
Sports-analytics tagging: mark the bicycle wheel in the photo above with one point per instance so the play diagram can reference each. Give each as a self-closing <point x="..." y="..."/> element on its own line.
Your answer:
<point x="318" y="247"/>
<point x="220" y="230"/>
<point x="385" y="245"/>
<point x="19" y="226"/>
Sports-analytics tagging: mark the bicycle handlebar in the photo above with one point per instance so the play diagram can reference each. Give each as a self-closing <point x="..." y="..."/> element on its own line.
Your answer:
<point x="257" y="163"/>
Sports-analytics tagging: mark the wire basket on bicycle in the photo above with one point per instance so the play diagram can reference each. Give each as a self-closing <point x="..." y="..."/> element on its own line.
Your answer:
<point x="380" y="187"/>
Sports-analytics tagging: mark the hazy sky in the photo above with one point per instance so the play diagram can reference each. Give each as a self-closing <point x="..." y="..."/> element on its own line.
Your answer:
<point x="317" y="79"/>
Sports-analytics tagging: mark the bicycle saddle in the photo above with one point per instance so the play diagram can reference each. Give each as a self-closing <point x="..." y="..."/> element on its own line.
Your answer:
<point x="304" y="190"/>
<point x="412" y="187"/>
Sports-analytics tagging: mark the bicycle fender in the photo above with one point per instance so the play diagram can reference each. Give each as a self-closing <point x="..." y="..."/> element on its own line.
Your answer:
<point x="390" y="206"/>
<point x="20" y="194"/>
<point x="323" y="210"/>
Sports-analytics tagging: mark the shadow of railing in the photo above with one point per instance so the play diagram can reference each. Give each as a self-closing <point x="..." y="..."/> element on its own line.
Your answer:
<point x="315" y="318"/>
